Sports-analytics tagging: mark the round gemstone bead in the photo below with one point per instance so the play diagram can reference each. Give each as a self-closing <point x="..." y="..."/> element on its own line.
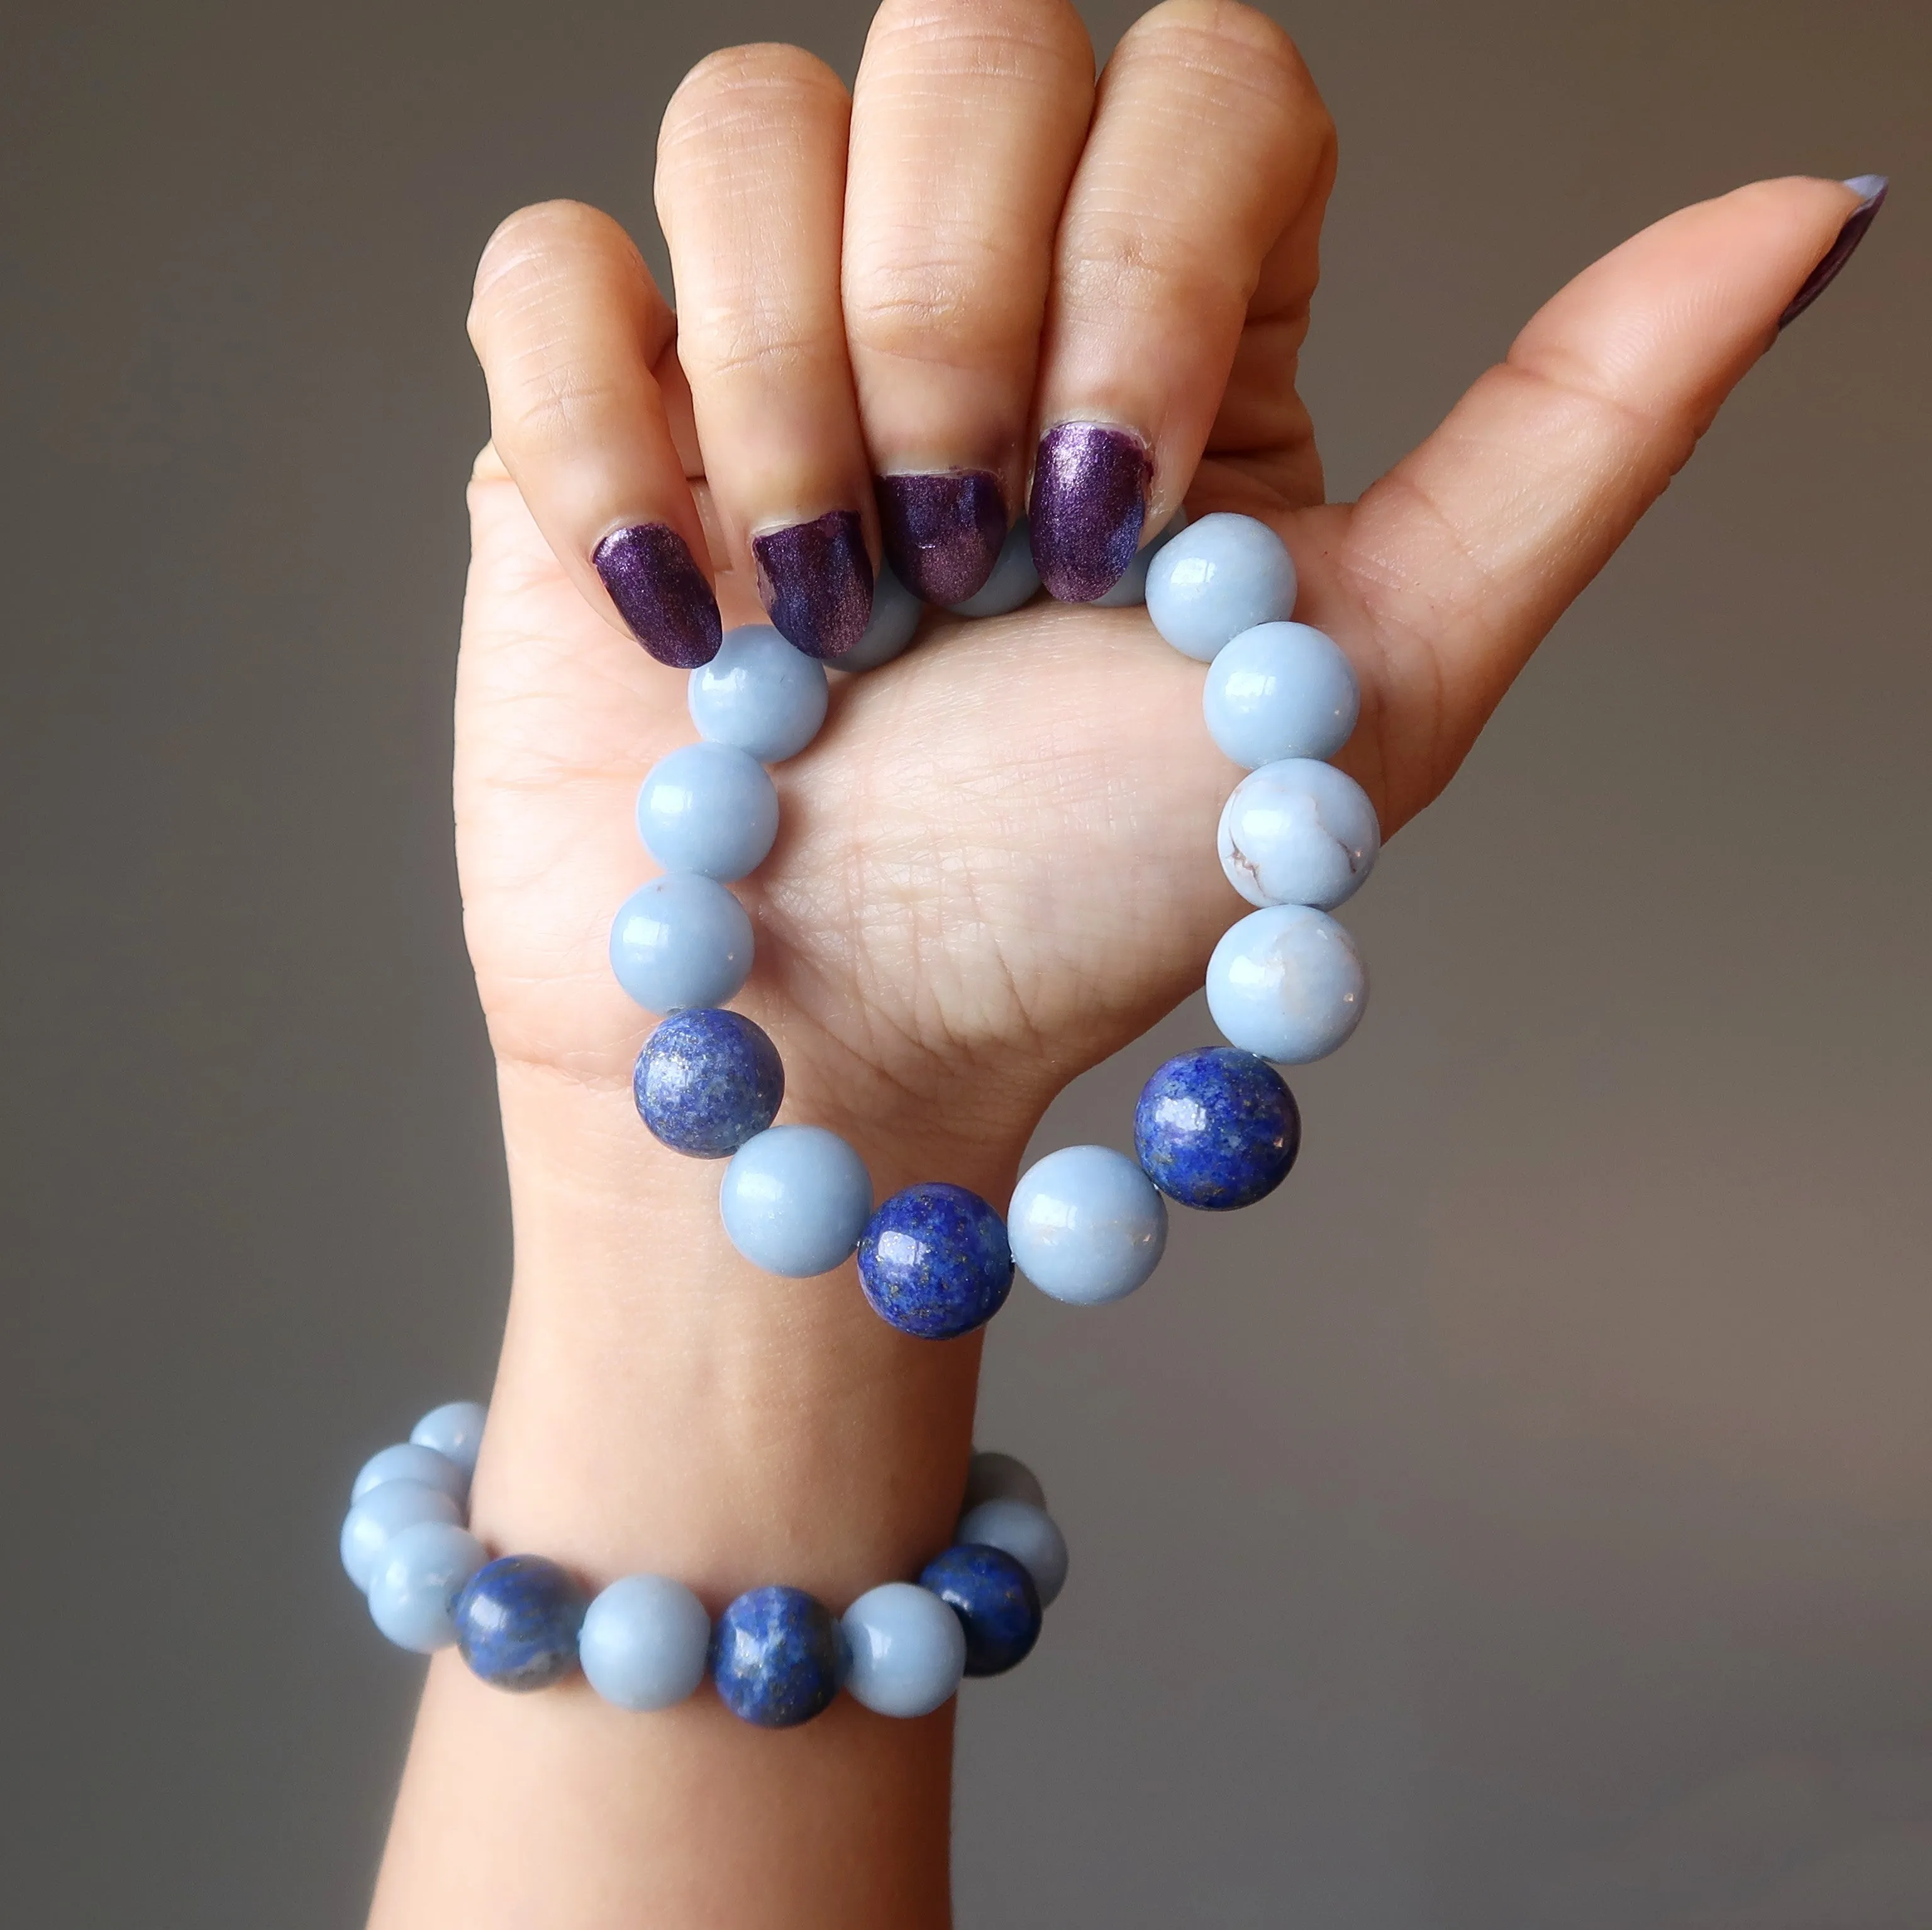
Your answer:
<point x="795" y="1200"/>
<point x="709" y="808"/>
<point x="996" y="1602"/>
<point x="907" y="1649"/>
<point x="1014" y="581"/>
<point x="1219" y="577"/>
<point x="777" y="1657"/>
<point x="409" y="1460"/>
<point x="759" y="694"/>
<point x="454" y="1430"/>
<point x="1028" y="1533"/>
<point x="1287" y="982"/>
<point x="681" y="940"/>
<point x="1131" y="588"/>
<point x="895" y="615"/>
<point x="992" y="1476"/>
<point x="934" y="1262"/>
<point x="645" y="1642"/>
<point x="417" y="1577"/>
<point x="1217" y="1129"/>
<point x="707" y="1081"/>
<point x="517" y="1619"/>
<point x="387" y="1511"/>
<point x="1087" y="1226"/>
<point x="1298" y="832"/>
<point x="1280" y="690"/>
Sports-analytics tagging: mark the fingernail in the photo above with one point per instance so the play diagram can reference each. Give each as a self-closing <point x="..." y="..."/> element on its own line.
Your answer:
<point x="942" y="531"/>
<point x="1871" y="188"/>
<point x="1090" y="492"/>
<point x="817" y="583"/>
<point x="659" y="590"/>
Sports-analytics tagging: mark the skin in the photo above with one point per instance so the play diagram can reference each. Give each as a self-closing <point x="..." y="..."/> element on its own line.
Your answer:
<point x="996" y="863"/>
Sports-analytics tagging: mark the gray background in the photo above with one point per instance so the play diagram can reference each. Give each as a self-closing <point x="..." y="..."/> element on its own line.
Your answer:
<point x="1525" y="1521"/>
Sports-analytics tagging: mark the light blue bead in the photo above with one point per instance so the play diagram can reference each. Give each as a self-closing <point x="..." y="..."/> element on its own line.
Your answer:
<point x="709" y="809"/>
<point x="1298" y="832"/>
<point x="644" y="1641"/>
<point x="1287" y="984"/>
<point x="759" y="694"/>
<point x="1131" y="588"/>
<point x="1281" y="690"/>
<point x="454" y="1430"/>
<point x="1014" y="580"/>
<point x="416" y="1580"/>
<point x="1087" y="1225"/>
<point x="795" y="1199"/>
<point x="895" y="615"/>
<point x="1028" y="1533"/>
<point x="384" y="1511"/>
<point x="1220" y="576"/>
<point x="681" y="940"/>
<point x="409" y="1460"/>
<point x="908" y="1649"/>
<point x="993" y="1476"/>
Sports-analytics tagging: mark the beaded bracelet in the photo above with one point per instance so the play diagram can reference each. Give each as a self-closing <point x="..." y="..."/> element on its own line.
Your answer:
<point x="777" y="1654"/>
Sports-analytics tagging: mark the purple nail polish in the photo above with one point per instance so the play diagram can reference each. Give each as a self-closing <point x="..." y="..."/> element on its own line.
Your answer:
<point x="659" y="590"/>
<point x="942" y="531"/>
<point x="1872" y="187"/>
<point x="816" y="580"/>
<point x="1090" y="492"/>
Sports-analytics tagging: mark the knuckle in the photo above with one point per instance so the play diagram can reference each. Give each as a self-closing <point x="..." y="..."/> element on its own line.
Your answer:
<point x="530" y="248"/>
<point x="983" y="36"/>
<point x="926" y="289"/>
<point x="1223" y="42"/>
<point x="736" y="84"/>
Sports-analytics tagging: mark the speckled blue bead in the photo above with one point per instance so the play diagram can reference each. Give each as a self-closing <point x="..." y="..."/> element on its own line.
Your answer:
<point x="645" y="1642"/>
<point x="1280" y="690"/>
<point x="934" y="1262"/>
<point x="1298" y="832"/>
<point x="1220" y="576"/>
<point x="1014" y="581"/>
<point x="1217" y="1129"/>
<point x="455" y="1429"/>
<point x="1288" y="983"/>
<point x="1028" y="1533"/>
<point x="387" y="1511"/>
<point x="417" y="1577"/>
<point x="993" y="1476"/>
<point x="1131" y="588"/>
<point x="907" y="1649"/>
<point x="777" y="1657"/>
<point x="681" y="940"/>
<point x="409" y="1460"/>
<point x="707" y="1081"/>
<point x="895" y="615"/>
<point x="759" y="694"/>
<point x="1087" y="1226"/>
<point x="795" y="1199"/>
<point x="516" y="1620"/>
<point x="709" y="808"/>
<point x="996" y="1602"/>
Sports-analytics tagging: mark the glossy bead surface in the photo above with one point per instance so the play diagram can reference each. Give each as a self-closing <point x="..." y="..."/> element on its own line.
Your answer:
<point x="516" y="1620"/>
<point x="1280" y="690"/>
<point x="795" y="1200"/>
<point x="413" y="1588"/>
<point x="1287" y="983"/>
<point x="645" y="1642"/>
<point x="993" y="1476"/>
<point x="1131" y="588"/>
<point x="895" y="615"/>
<point x="709" y="809"/>
<point x="1028" y="1533"/>
<point x="907" y="1649"/>
<point x="934" y="1262"/>
<point x="1219" y="577"/>
<point x="410" y="1460"/>
<point x="681" y="940"/>
<point x="1087" y="1226"/>
<point x="1217" y="1129"/>
<point x="777" y="1657"/>
<point x="454" y="1430"/>
<point x="707" y="1081"/>
<point x="387" y="1511"/>
<point x="996" y="1602"/>
<point x="1298" y="832"/>
<point x="759" y="694"/>
<point x="1014" y="581"/>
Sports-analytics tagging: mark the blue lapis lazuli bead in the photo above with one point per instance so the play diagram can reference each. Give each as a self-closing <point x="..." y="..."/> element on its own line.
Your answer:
<point x="778" y="1656"/>
<point x="934" y="1261"/>
<point x="995" y="1600"/>
<point x="1217" y="1129"/>
<point x="517" y="1622"/>
<point x="707" y="1081"/>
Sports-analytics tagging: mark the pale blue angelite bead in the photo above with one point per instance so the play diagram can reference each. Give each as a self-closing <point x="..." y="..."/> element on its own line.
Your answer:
<point x="681" y="940"/>
<point x="1298" y="832"/>
<point x="709" y="808"/>
<point x="386" y="1510"/>
<point x="1131" y="588"/>
<point x="895" y="615"/>
<point x="1287" y="984"/>
<point x="759" y="694"/>
<point x="1220" y="576"/>
<point x="907" y="1649"/>
<point x="1014" y="579"/>
<point x="454" y="1430"/>
<point x="1281" y="690"/>
<point x="993" y="1476"/>
<point x="1087" y="1225"/>
<point x="644" y="1641"/>
<point x="795" y="1199"/>
<point x="409" y="1460"/>
<point x="1029" y="1534"/>
<point x="416" y="1580"/>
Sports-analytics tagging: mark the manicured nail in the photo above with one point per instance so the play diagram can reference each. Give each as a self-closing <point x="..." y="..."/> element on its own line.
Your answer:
<point x="659" y="590"/>
<point x="1871" y="187"/>
<point x="942" y="531"/>
<point x="816" y="580"/>
<point x="1090" y="492"/>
